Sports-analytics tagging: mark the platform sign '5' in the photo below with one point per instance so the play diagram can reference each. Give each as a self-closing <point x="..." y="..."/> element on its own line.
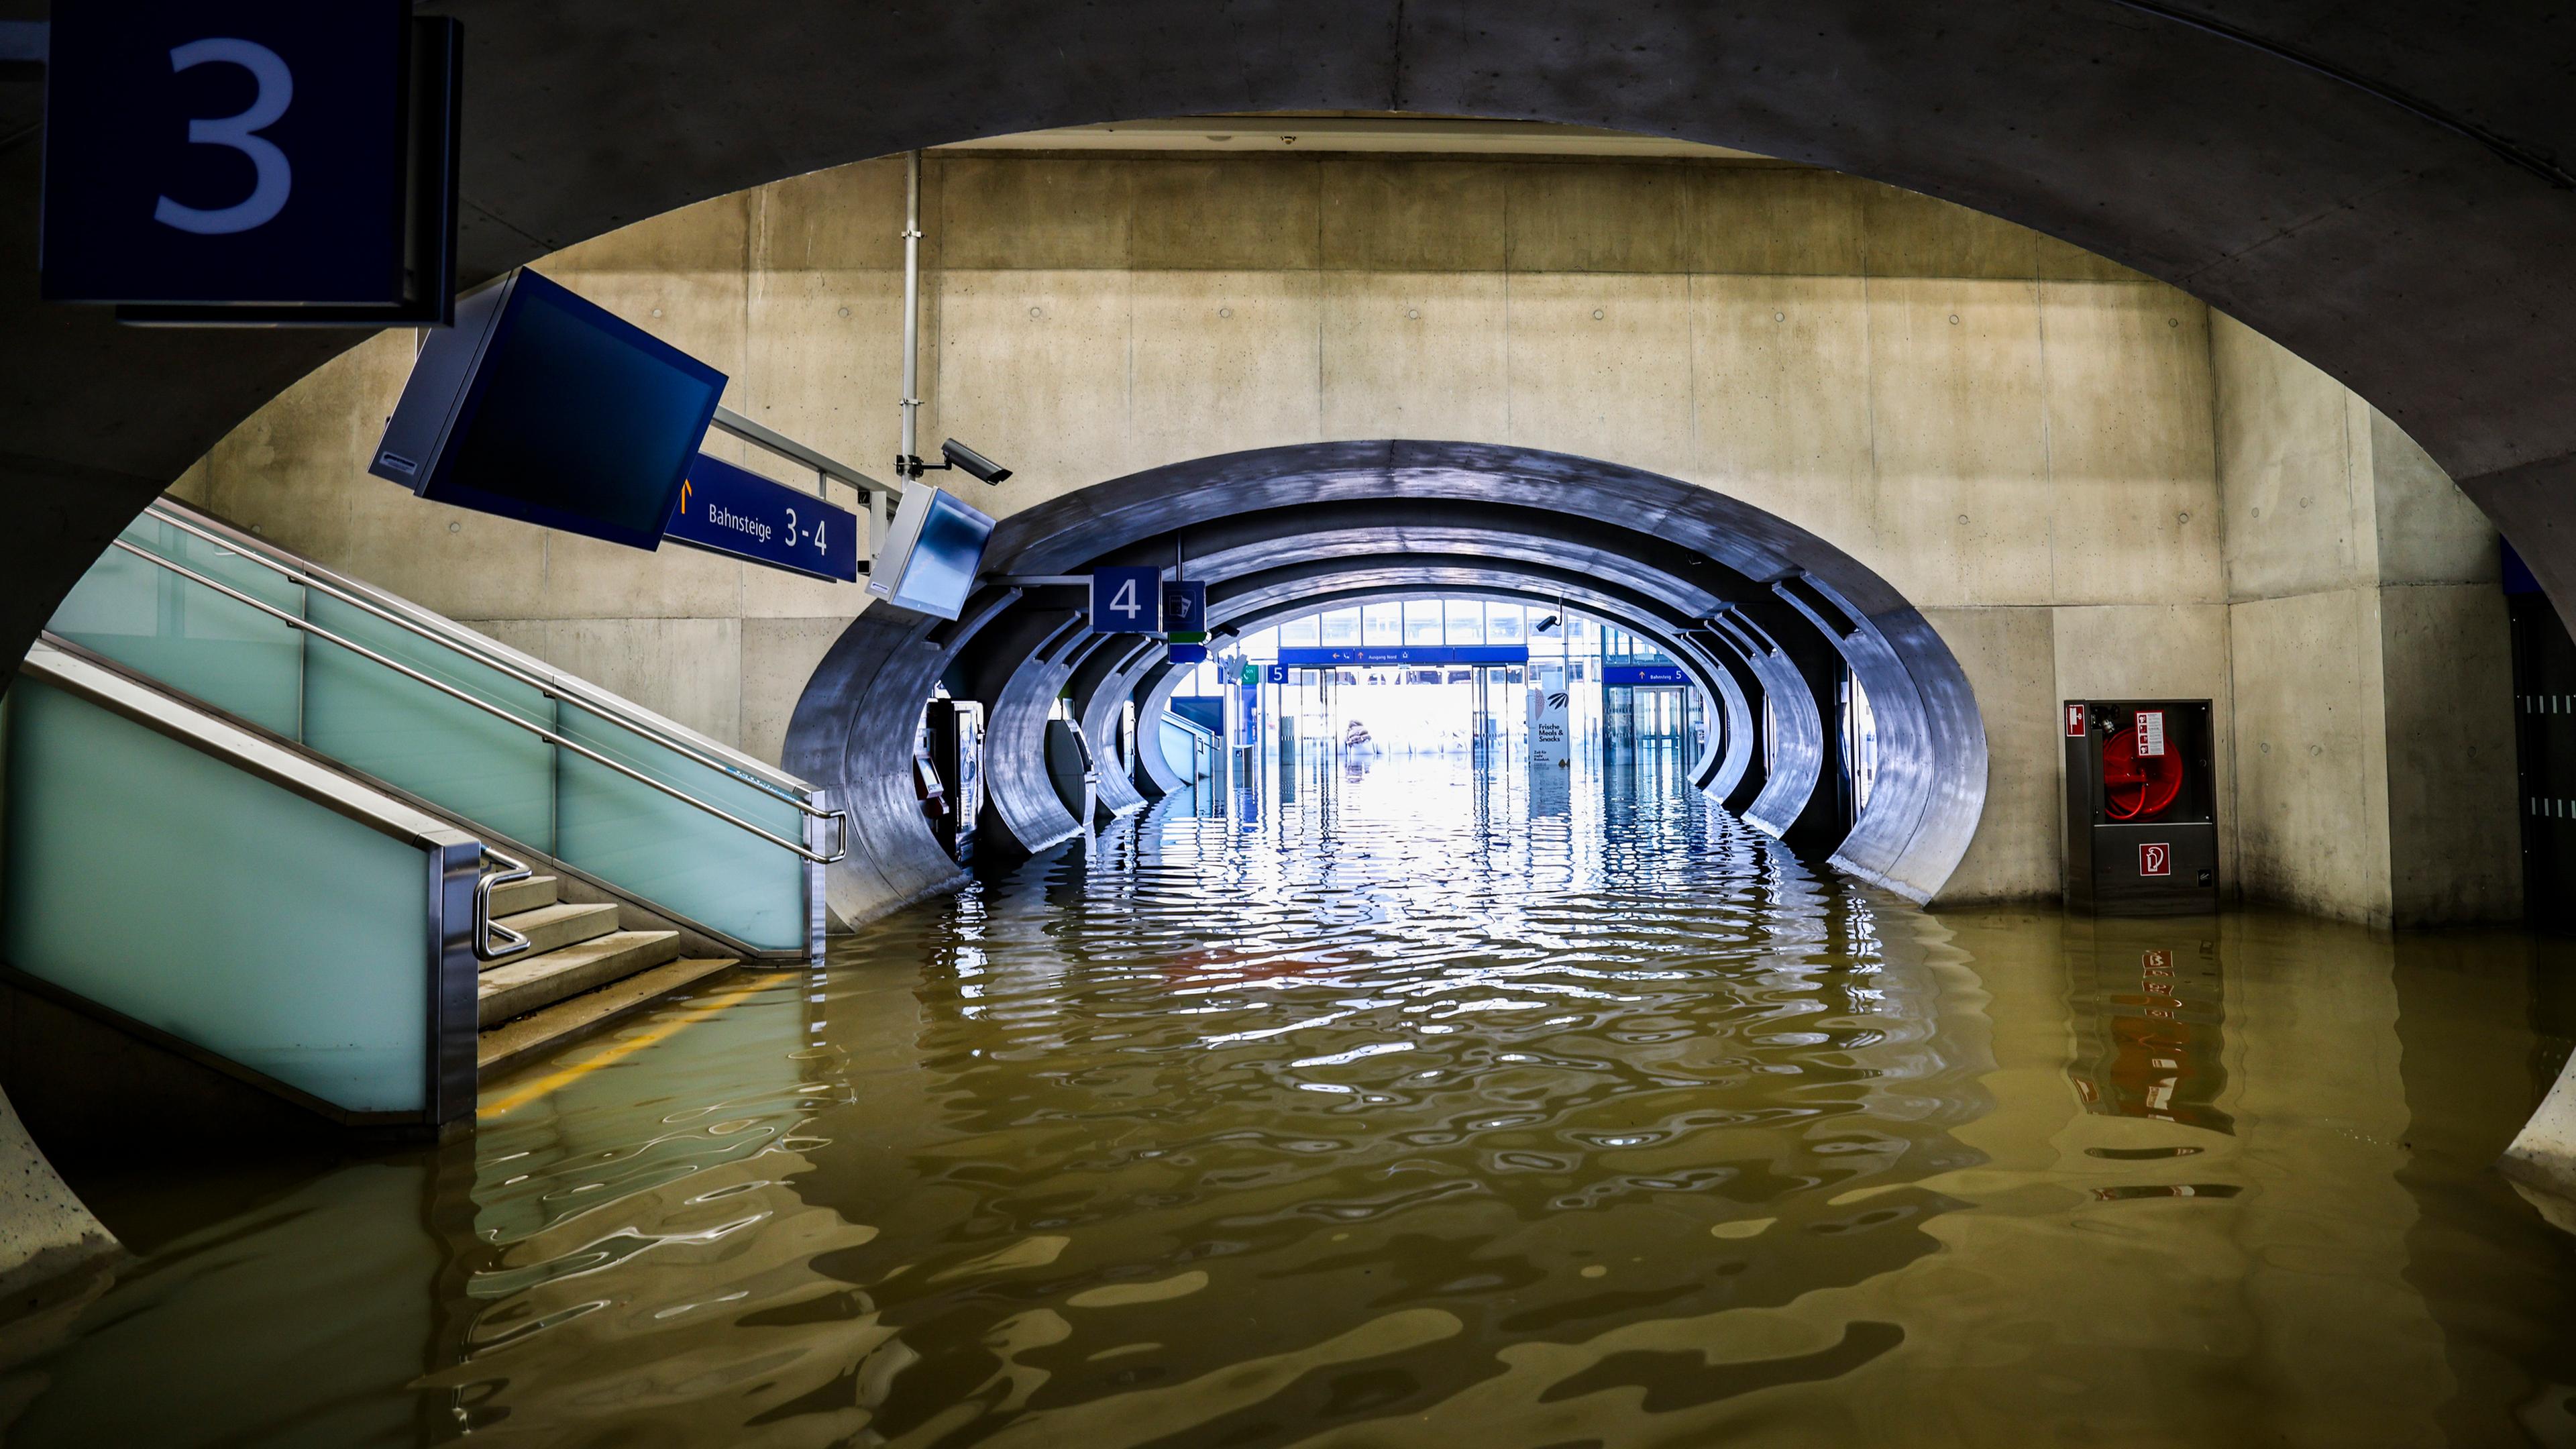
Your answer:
<point x="226" y="151"/>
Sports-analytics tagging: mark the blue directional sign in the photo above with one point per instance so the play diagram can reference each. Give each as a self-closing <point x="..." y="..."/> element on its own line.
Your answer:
<point x="1643" y="674"/>
<point x="1278" y="674"/>
<point x="1127" y="601"/>
<point x="1188" y="653"/>
<point x="248" y="154"/>
<point x="1185" y="606"/>
<point x="1407" y="654"/>
<point x="727" y="509"/>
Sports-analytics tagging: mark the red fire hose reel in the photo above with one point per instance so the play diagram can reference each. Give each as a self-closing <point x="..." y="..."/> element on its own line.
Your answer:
<point x="2136" y="786"/>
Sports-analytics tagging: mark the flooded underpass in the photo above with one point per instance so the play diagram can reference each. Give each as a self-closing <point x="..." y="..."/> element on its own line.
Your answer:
<point x="1416" y="1105"/>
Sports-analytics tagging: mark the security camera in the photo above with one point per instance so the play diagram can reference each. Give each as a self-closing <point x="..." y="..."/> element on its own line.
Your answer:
<point x="953" y="454"/>
<point x="1544" y="625"/>
<point x="962" y="457"/>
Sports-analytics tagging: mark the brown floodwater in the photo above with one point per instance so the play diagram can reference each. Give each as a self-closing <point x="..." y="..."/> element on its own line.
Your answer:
<point x="1401" y="1107"/>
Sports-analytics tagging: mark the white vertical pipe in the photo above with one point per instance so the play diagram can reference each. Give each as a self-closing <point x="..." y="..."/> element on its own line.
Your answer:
<point x="911" y="445"/>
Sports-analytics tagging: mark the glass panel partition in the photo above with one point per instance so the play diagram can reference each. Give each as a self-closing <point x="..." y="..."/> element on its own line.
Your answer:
<point x="235" y="870"/>
<point x="670" y="853"/>
<point x="412" y="735"/>
<point x="190" y="637"/>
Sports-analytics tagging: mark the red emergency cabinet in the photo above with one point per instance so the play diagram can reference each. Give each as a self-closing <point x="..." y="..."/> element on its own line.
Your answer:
<point x="2141" y="791"/>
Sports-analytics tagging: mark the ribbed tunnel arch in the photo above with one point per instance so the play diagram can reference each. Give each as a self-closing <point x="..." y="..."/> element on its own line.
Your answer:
<point x="1754" y="607"/>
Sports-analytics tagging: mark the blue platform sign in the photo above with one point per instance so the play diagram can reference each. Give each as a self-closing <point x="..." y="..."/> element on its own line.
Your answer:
<point x="227" y="152"/>
<point x="1277" y="674"/>
<point x="1127" y="601"/>
<point x="1188" y="653"/>
<point x="727" y="509"/>
<point x="1407" y="654"/>
<point x="1185" y="606"/>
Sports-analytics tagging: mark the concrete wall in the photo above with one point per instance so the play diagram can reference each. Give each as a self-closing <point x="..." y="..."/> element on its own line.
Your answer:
<point x="2019" y="435"/>
<point x="2368" y="649"/>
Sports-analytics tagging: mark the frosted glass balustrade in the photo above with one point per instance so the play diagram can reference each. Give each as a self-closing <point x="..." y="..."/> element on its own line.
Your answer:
<point x="396" y="730"/>
<point x="190" y="637"/>
<point x="206" y="902"/>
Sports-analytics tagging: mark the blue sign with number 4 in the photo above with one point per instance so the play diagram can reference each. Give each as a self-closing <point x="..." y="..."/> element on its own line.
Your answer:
<point x="1127" y="601"/>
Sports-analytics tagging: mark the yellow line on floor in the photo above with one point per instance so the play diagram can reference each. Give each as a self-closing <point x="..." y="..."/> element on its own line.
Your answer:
<point x="551" y="1081"/>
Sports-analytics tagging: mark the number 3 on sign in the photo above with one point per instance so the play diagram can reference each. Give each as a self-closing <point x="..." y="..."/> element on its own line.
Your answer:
<point x="273" y="177"/>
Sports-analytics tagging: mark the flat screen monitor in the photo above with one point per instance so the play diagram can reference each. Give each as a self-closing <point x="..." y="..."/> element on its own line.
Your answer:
<point x="540" y="406"/>
<point x="931" y="553"/>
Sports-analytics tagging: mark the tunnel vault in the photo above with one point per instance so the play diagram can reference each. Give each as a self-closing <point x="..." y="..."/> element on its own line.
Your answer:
<point x="1754" y="608"/>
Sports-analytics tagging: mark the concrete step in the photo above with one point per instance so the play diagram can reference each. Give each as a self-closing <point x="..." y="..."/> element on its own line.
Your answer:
<point x="524" y="895"/>
<point x="551" y="928"/>
<point x="525" y="983"/>
<point x="505" y="1046"/>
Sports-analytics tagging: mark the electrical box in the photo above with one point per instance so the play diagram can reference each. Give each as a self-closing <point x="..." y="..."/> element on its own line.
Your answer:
<point x="956" y="736"/>
<point x="2141" y="824"/>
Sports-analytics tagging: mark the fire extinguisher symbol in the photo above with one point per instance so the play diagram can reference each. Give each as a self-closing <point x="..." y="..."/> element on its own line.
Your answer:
<point x="2155" y="859"/>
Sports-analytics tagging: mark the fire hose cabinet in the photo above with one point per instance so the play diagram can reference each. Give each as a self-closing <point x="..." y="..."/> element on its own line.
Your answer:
<point x="2141" y="824"/>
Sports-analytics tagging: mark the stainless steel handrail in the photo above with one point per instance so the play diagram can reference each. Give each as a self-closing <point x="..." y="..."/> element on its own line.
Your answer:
<point x="487" y="930"/>
<point x="727" y="420"/>
<point x="840" y="817"/>
<point x="534" y="681"/>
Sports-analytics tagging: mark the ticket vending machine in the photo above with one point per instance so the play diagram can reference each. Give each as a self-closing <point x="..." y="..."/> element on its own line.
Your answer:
<point x="1072" y="767"/>
<point x="2141" y="828"/>
<point x="956" y="737"/>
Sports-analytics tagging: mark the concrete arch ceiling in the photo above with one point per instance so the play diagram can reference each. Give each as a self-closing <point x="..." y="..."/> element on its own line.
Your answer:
<point x="2381" y="187"/>
<point x="1272" y="527"/>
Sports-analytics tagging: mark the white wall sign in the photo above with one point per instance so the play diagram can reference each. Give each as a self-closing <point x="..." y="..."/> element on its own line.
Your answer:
<point x="2151" y="733"/>
<point x="1551" y="739"/>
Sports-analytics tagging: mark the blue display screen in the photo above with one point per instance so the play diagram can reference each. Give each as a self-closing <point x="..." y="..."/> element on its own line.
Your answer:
<point x="577" y="420"/>
<point x="941" y="571"/>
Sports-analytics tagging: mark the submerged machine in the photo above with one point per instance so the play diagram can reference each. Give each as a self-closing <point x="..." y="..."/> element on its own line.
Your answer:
<point x="2141" y="830"/>
<point x="953" y="733"/>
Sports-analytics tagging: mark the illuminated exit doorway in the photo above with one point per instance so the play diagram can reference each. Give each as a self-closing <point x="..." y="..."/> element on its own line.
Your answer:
<point x="1648" y="703"/>
<point x="1413" y="677"/>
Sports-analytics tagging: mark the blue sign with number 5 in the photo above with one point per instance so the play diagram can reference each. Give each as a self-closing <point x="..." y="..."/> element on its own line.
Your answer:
<point x="726" y="509"/>
<point x="1127" y="601"/>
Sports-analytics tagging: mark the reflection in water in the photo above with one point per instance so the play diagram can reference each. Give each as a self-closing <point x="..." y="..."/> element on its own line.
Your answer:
<point x="1423" y="1105"/>
<point x="2157" y="1010"/>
